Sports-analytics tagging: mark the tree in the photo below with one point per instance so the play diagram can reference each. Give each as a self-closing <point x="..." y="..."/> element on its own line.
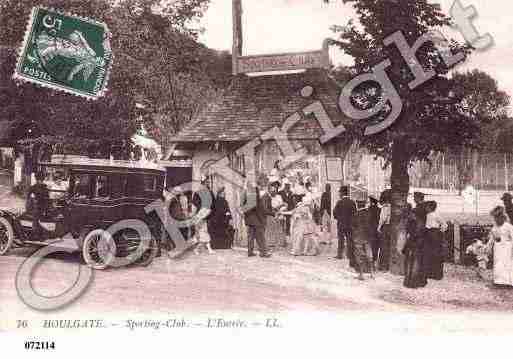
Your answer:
<point x="482" y="101"/>
<point x="158" y="62"/>
<point x="433" y="117"/>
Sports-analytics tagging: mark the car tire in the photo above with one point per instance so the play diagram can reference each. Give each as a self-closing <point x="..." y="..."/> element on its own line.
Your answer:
<point x="98" y="249"/>
<point x="148" y="256"/>
<point x="6" y="236"/>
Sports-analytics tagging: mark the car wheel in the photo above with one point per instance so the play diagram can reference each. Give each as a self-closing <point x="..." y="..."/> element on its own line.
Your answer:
<point x="148" y="256"/>
<point x="129" y="242"/>
<point x="98" y="249"/>
<point x="6" y="236"/>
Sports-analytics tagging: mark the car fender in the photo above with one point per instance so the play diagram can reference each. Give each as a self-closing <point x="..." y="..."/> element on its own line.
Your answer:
<point x="13" y="220"/>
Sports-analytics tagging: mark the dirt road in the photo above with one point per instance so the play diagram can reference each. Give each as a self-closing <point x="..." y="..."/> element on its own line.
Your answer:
<point x="229" y="281"/>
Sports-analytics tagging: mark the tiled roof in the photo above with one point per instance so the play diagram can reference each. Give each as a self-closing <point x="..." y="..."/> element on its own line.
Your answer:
<point x="251" y="105"/>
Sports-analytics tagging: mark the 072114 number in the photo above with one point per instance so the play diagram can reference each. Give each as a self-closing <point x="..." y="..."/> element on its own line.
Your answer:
<point x="39" y="345"/>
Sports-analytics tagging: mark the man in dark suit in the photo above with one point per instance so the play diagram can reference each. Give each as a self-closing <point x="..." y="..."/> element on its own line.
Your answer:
<point x="344" y="213"/>
<point x="288" y="197"/>
<point x="38" y="200"/>
<point x="255" y="218"/>
<point x="422" y="245"/>
<point x="374" y="213"/>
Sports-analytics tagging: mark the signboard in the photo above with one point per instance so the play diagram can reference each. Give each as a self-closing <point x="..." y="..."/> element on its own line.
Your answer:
<point x="283" y="62"/>
<point x="334" y="170"/>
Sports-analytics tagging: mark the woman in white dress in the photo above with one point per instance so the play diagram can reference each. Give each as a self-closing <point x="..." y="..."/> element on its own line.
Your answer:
<point x="501" y="242"/>
<point x="201" y="234"/>
<point x="305" y="239"/>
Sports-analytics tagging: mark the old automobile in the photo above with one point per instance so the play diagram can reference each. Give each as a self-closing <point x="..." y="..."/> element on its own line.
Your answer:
<point x="99" y="194"/>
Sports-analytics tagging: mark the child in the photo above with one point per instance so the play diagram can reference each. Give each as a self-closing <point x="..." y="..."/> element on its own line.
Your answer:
<point x="479" y="249"/>
<point x="362" y="235"/>
<point x="202" y="237"/>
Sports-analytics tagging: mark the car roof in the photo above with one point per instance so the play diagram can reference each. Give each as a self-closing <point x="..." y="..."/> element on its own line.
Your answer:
<point x="86" y="164"/>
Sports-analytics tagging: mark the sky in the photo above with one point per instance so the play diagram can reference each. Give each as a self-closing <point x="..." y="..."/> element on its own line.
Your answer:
<point x="276" y="26"/>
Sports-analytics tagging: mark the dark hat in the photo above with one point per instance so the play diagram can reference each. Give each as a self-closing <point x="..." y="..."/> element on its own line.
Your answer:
<point x="275" y="184"/>
<point x="344" y="190"/>
<point x="419" y="195"/>
<point x="431" y="204"/>
<point x="498" y="212"/>
<point x="506" y="197"/>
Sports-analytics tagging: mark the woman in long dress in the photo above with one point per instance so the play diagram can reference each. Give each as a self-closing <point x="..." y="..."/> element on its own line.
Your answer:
<point x="222" y="236"/>
<point x="415" y="275"/>
<point x="501" y="243"/>
<point x="274" y="231"/>
<point x="435" y="226"/>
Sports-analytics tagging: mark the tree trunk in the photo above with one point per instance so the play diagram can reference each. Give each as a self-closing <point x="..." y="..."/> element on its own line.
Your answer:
<point x="400" y="182"/>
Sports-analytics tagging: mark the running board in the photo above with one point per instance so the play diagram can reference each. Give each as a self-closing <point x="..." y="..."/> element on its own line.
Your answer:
<point x="43" y="244"/>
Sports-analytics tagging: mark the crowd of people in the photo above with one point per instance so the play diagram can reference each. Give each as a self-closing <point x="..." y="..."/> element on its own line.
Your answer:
<point x="285" y="215"/>
<point x="282" y="212"/>
<point x="213" y="226"/>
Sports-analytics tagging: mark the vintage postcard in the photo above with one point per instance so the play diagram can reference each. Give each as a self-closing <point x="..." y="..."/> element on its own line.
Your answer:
<point x="269" y="178"/>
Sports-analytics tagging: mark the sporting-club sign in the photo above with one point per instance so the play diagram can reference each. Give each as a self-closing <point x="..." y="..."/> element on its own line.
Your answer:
<point x="283" y="62"/>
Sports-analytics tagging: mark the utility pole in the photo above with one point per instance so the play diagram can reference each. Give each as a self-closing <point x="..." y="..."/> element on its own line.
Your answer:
<point x="237" y="33"/>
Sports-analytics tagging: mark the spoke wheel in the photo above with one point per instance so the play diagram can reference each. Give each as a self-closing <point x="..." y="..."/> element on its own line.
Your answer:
<point x="98" y="249"/>
<point x="6" y="236"/>
<point x="130" y="247"/>
<point x="149" y="255"/>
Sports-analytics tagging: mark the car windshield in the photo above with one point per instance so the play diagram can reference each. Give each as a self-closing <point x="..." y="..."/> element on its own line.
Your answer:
<point x="57" y="181"/>
<point x="82" y="186"/>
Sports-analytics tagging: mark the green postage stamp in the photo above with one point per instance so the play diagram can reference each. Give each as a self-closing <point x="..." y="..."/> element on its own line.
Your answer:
<point x="66" y="52"/>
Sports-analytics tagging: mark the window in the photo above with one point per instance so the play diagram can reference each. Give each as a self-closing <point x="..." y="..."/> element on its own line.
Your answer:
<point x="102" y="188"/>
<point x="81" y="185"/>
<point x="135" y="185"/>
<point x="238" y="163"/>
<point x="119" y="186"/>
<point x="142" y="185"/>
<point x="150" y="183"/>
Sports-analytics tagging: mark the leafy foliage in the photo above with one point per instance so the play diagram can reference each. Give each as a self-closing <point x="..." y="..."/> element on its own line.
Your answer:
<point x="158" y="63"/>
<point x="484" y="103"/>
<point x="431" y="118"/>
